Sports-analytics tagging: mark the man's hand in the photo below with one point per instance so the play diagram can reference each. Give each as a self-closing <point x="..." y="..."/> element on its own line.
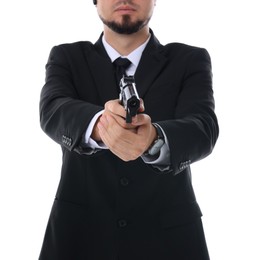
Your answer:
<point x="128" y="141"/>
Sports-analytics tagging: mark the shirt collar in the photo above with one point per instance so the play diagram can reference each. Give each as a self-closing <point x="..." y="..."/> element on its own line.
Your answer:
<point x="134" y="56"/>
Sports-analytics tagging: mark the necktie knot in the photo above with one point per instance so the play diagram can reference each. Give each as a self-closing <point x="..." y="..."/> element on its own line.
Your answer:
<point x="121" y="64"/>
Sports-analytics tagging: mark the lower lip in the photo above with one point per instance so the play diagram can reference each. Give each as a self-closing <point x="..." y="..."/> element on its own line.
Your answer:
<point x="125" y="11"/>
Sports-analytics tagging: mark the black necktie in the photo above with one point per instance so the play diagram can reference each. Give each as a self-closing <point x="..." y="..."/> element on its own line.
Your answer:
<point x="121" y="64"/>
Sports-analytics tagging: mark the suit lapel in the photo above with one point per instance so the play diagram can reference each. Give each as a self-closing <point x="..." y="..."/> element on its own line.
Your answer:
<point x="102" y="70"/>
<point x="151" y="64"/>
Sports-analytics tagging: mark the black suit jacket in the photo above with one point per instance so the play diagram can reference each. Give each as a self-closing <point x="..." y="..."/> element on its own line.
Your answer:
<point x="106" y="208"/>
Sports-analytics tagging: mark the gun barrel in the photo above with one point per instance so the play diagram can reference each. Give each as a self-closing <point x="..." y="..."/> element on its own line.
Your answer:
<point x="129" y="97"/>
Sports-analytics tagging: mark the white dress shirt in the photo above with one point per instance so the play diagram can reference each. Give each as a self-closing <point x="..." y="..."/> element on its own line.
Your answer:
<point x="163" y="157"/>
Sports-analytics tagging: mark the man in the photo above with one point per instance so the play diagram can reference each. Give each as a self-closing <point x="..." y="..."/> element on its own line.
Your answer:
<point x="125" y="191"/>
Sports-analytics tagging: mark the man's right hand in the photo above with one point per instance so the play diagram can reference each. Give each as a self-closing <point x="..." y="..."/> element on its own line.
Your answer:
<point x="127" y="141"/>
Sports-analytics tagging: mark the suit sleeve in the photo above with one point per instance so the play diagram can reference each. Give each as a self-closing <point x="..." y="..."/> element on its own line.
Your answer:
<point x="194" y="131"/>
<point x="63" y="116"/>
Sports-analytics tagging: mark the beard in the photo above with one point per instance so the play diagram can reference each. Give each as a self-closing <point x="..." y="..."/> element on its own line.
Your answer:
<point x="127" y="26"/>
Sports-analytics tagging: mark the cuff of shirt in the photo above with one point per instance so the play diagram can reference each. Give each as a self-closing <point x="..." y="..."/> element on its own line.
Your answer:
<point x="163" y="158"/>
<point x="89" y="142"/>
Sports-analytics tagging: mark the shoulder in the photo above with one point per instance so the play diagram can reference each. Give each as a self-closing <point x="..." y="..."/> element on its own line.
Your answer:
<point x="70" y="52"/>
<point x="176" y="51"/>
<point x="184" y="51"/>
<point x="185" y="57"/>
<point x="74" y="46"/>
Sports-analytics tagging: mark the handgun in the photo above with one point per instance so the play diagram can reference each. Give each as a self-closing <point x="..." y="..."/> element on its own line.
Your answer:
<point x="129" y="97"/>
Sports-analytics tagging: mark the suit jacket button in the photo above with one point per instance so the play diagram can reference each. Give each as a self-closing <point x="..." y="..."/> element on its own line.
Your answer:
<point x="124" y="181"/>
<point x="122" y="223"/>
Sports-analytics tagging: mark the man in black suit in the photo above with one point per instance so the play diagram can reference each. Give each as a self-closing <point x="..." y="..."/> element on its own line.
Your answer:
<point x="125" y="191"/>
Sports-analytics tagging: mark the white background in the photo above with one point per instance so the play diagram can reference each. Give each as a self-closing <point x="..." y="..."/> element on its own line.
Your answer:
<point x="226" y="183"/>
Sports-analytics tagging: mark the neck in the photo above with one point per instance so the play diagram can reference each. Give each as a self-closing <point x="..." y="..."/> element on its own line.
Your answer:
<point x="125" y="43"/>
